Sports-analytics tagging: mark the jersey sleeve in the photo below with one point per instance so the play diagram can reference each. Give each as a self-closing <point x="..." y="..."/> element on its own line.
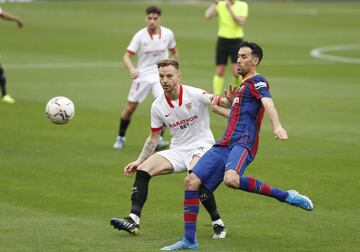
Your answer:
<point x="1" y="11"/>
<point x="242" y="10"/>
<point x="260" y="89"/>
<point x="172" y="42"/>
<point x="201" y="95"/>
<point x="156" y="121"/>
<point x="219" y="6"/>
<point x="134" y="45"/>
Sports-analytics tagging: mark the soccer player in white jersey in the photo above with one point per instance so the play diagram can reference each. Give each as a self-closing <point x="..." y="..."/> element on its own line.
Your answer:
<point x="5" y="97"/>
<point x="184" y="110"/>
<point x="151" y="44"/>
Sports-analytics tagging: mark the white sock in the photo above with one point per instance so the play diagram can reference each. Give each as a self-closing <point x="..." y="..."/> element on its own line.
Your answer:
<point x="135" y="218"/>
<point x="219" y="222"/>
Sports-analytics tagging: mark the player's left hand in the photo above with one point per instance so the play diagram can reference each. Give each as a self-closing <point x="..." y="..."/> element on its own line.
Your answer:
<point x="130" y="168"/>
<point x="19" y="23"/>
<point x="280" y="134"/>
<point x="230" y="93"/>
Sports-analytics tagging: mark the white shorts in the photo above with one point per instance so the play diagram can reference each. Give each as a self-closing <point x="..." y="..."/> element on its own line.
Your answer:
<point x="180" y="159"/>
<point x="141" y="86"/>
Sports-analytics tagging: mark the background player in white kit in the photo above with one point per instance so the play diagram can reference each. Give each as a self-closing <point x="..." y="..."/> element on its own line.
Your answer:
<point x="184" y="110"/>
<point x="5" y="97"/>
<point x="151" y="44"/>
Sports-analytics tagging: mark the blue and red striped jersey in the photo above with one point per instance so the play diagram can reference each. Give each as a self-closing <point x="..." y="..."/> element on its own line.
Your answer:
<point x="246" y="114"/>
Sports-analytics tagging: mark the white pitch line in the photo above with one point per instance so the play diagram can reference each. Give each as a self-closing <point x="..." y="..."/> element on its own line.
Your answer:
<point x="321" y="53"/>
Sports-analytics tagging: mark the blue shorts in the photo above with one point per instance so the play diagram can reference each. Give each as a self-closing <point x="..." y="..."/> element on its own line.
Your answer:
<point x="211" y="167"/>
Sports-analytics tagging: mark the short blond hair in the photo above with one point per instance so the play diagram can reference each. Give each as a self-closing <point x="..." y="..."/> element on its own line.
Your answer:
<point x="168" y="62"/>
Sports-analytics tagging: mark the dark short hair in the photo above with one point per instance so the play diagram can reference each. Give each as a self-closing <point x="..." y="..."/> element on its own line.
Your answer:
<point x="153" y="9"/>
<point x="168" y="62"/>
<point x="256" y="50"/>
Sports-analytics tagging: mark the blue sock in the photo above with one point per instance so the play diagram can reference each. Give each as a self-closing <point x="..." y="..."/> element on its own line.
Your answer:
<point x="191" y="210"/>
<point x="254" y="185"/>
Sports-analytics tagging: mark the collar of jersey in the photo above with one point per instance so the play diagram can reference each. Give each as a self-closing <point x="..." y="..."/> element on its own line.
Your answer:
<point x="180" y="98"/>
<point x="248" y="78"/>
<point x="151" y="35"/>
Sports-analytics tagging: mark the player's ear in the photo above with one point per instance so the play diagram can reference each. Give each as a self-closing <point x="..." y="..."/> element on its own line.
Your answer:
<point x="179" y="75"/>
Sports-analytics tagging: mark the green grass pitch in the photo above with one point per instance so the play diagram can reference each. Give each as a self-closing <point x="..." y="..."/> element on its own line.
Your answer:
<point x="60" y="185"/>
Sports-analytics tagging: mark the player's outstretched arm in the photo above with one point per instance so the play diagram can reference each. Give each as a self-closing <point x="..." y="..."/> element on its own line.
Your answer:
<point x="147" y="151"/>
<point x="11" y="17"/>
<point x="279" y="132"/>
<point x="217" y="107"/>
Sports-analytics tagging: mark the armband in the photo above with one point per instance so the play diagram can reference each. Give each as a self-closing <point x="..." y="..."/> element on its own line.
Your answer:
<point x="218" y="102"/>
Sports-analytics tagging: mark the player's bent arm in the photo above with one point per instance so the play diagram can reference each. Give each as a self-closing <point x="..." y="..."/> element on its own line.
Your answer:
<point x="149" y="146"/>
<point x="128" y="63"/>
<point x="174" y="53"/>
<point x="147" y="151"/>
<point x="10" y="17"/>
<point x="225" y="112"/>
<point x="279" y="132"/>
<point x="240" y="20"/>
<point x="216" y="107"/>
<point x="211" y="11"/>
<point x="220" y="101"/>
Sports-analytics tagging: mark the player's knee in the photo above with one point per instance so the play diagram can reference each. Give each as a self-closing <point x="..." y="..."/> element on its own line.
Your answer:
<point x="220" y="70"/>
<point x="231" y="181"/>
<point x="191" y="182"/>
<point x="145" y="168"/>
<point x="128" y="110"/>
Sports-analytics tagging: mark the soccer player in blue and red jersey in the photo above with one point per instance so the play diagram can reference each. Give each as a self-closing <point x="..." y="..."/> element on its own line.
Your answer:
<point x="228" y="158"/>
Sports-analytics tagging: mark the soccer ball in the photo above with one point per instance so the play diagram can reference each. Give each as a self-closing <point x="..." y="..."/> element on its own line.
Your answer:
<point x="60" y="110"/>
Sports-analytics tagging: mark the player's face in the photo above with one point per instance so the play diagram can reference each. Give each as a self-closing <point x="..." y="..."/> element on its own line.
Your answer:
<point x="153" y="21"/>
<point x="169" y="78"/>
<point x="246" y="62"/>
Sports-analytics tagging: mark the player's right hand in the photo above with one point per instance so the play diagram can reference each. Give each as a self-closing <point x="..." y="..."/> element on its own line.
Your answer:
<point x="134" y="73"/>
<point x="130" y="168"/>
<point x="280" y="134"/>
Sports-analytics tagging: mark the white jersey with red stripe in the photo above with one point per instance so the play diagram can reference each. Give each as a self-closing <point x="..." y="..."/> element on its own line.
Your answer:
<point x="187" y="118"/>
<point x="151" y="48"/>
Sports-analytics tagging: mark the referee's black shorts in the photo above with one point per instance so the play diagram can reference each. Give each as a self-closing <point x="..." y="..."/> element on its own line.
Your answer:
<point x="226" y="48"/>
